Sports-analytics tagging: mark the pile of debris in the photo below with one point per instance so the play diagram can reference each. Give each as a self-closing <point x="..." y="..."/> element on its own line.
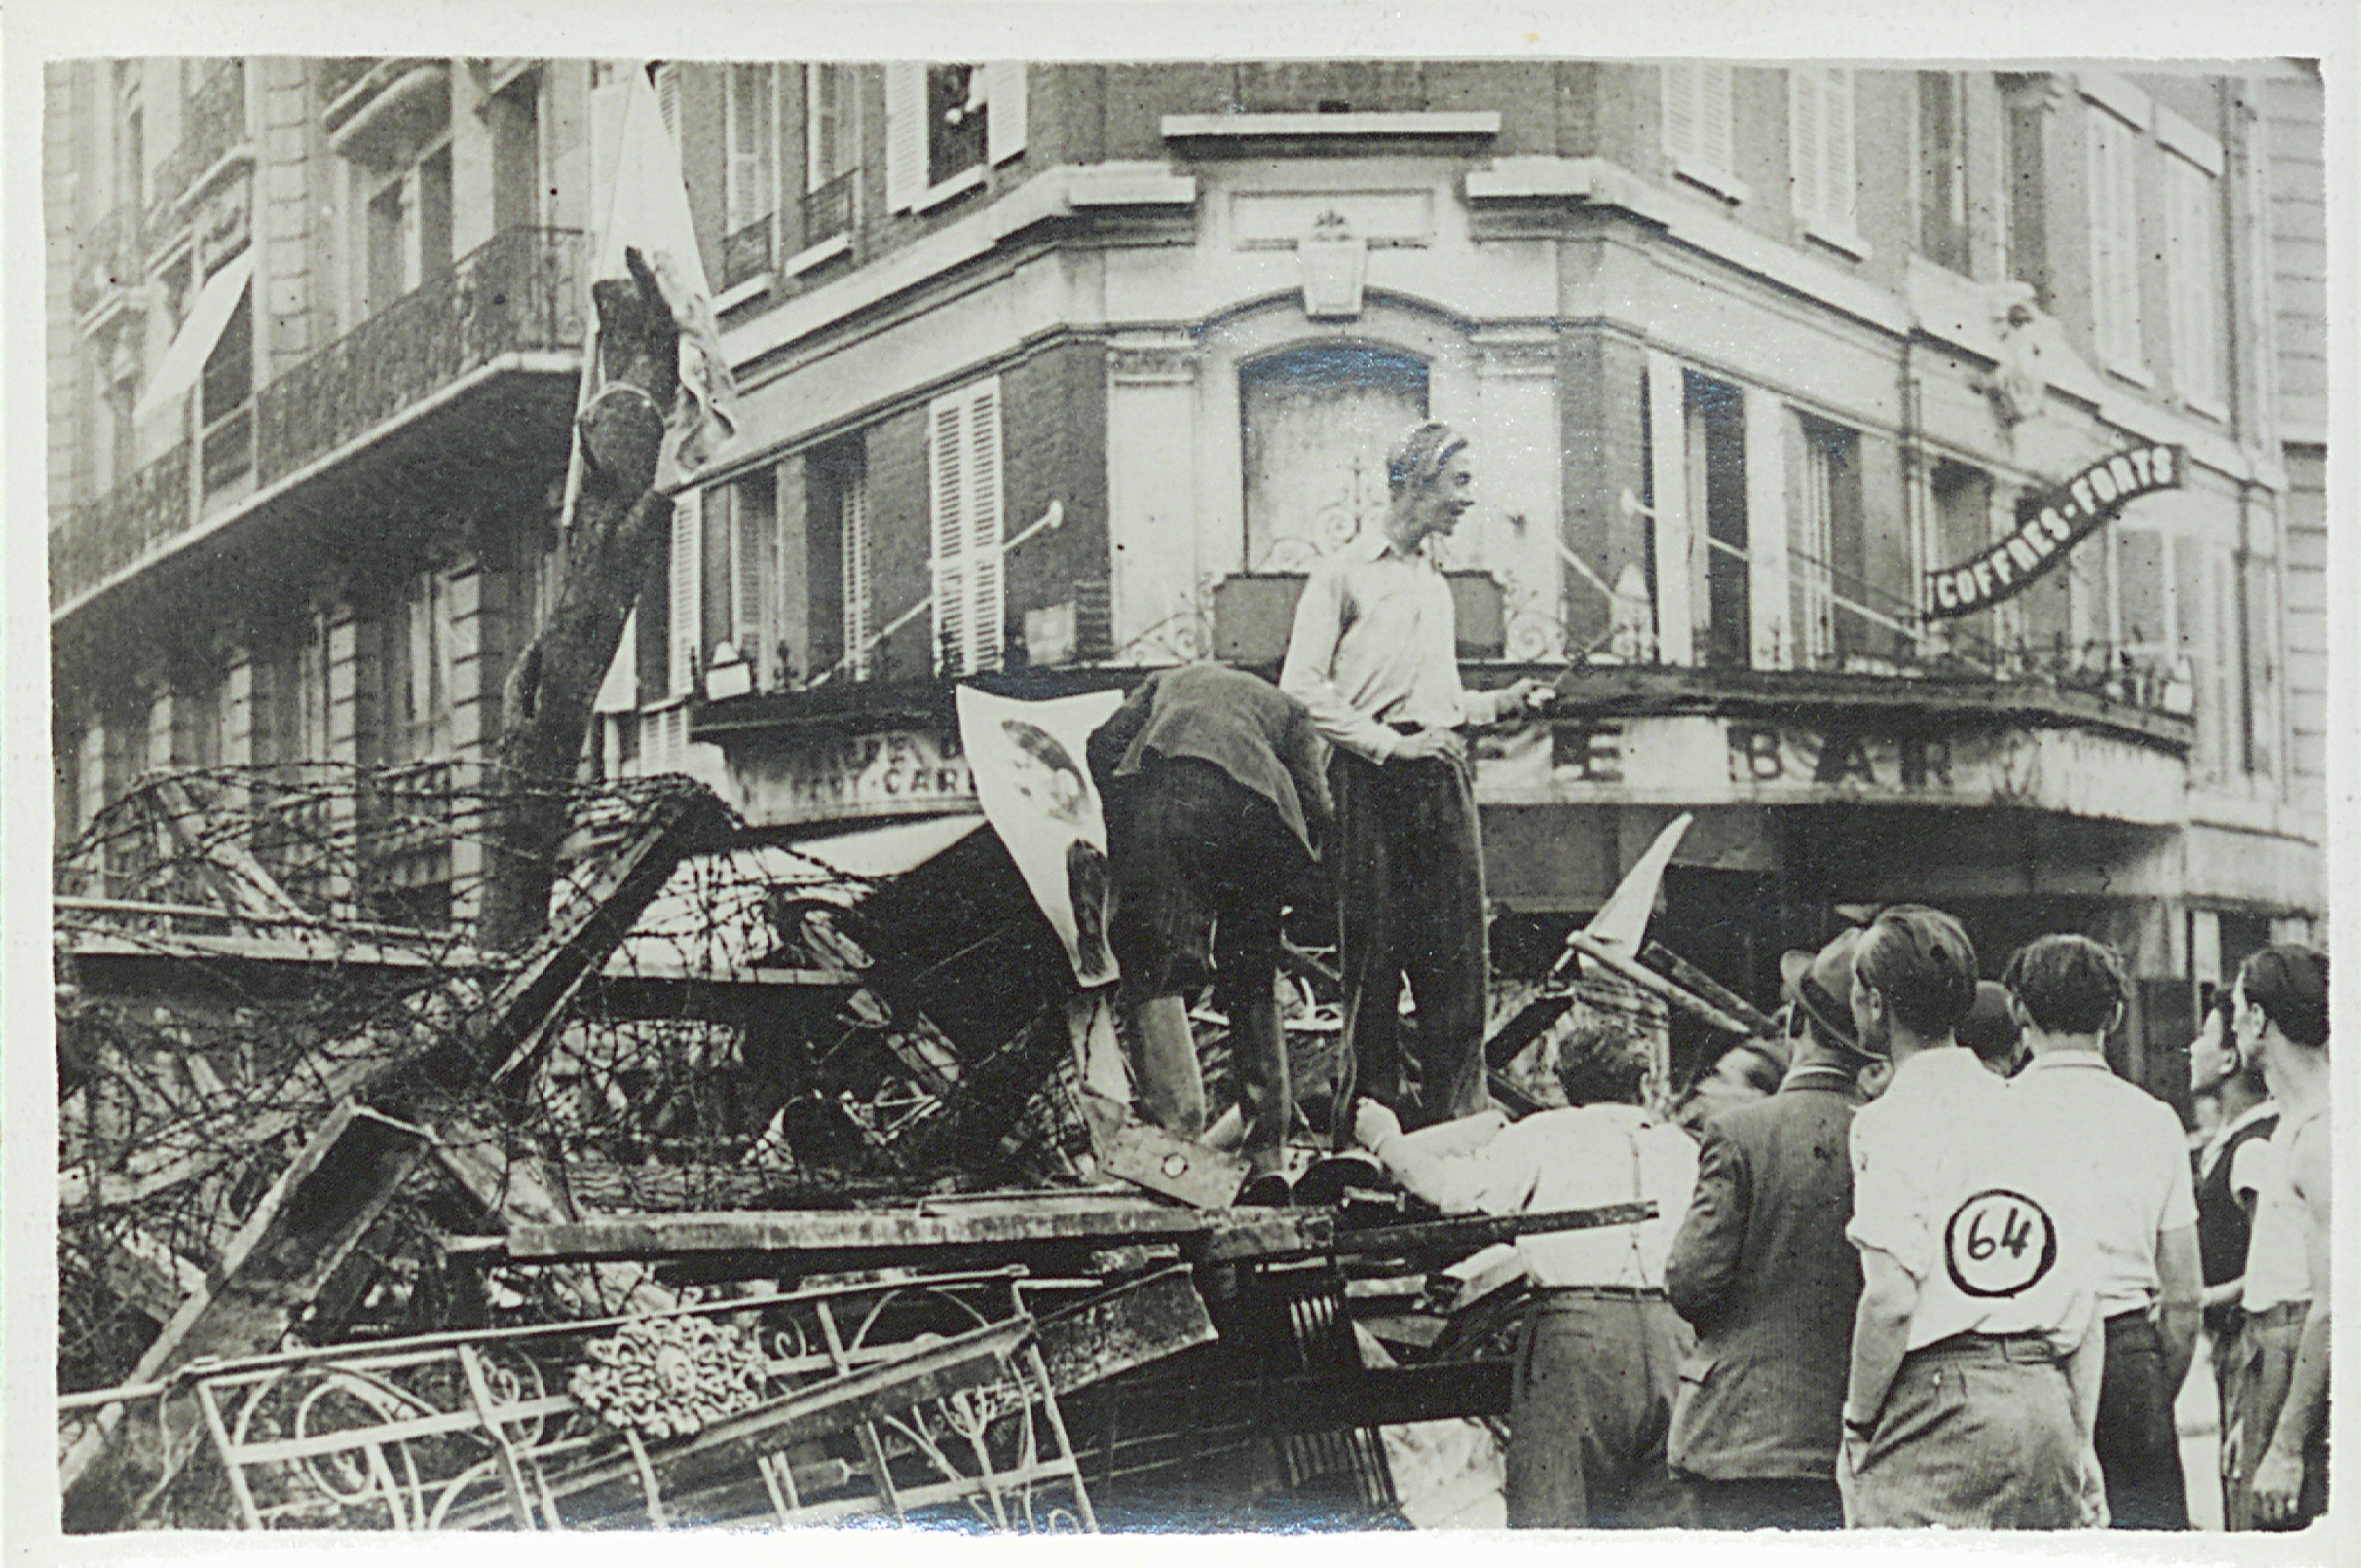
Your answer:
<point x="764" y="1186"/>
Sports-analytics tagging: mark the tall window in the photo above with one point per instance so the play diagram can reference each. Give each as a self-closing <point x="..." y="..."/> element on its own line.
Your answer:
<point x="2025" y="164"/>
<point x="944" y="124"/>
<point x="1716" y="429"/>
<point x="1697" y="134"/>
<point x="2194" y="260"/>
<point x="965" y="492"/>
<point x="738" y="548"/>
<point x="225" y="398"/>
<point x="2115" y="238"/>
<point x="1942" y="170"/>
<point x="1829" y="544"/>
<point x="1820" y="152"/>
<point x="409" y="230"/>
<point x="418" y="671"/>
<point x="831" y="148"/>
<point x="750" y="193"/>
<point x="515" y="115"/>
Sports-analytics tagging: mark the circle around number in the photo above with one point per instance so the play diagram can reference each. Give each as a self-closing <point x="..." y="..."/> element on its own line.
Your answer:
<point x="1999" y="1244"/>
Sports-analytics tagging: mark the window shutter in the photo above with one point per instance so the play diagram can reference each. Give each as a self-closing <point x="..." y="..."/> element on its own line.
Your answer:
<point x="751" y="550"/>
<point x="1005" y="110"/>
<point x="905" y="135"/>
<point x="668" y="97"/>
<point x="1680" y="84"/>
<point x="2127" y="241"/>
<point x="1837" y="187"/>
<point x="2102" y="269"/>
<point x="1804" y="92"/>
<point x="1713" y="117"/>
<point x="854" y="522"/>
<point x="687" y="607"/>
<point x="947" y="494"/>
<point x="986" y="589"/>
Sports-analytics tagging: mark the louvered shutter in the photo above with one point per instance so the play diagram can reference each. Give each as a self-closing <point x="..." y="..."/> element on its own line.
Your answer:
<point x="687" y="603"/>
<point x="1713" y="85"/>
<point x="987" y="597"/>
<point x="1837" y="184"/>
<point x="2102" y="269"/>
<point x="946" y="484"/>
<point x="1805" y="92"/>
<point x="750" y="570"/>
<point x="1005" y="110"/>
<point x="1680" y="83"/>
<point x="854" y="521"/>
<point x="668" y="99"/>
<point x="905" y="135"/>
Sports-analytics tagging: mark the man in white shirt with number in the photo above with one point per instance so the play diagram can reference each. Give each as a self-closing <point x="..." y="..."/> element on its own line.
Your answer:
<point x="1975" y="1361"/>
<point x="2070" y="994"/>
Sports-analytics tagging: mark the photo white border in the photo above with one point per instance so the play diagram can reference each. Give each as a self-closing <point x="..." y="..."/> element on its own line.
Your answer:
<point x="1898" y="32"/>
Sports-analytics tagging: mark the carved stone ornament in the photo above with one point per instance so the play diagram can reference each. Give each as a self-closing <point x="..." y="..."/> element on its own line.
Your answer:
<point x="1334" y="262"/>
<point x="2019" y="384"/>
<point x="670" y="1377"/>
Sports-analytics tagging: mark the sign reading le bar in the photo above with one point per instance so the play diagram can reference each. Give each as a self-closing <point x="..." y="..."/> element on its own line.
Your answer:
<point x="2066" y="516"/>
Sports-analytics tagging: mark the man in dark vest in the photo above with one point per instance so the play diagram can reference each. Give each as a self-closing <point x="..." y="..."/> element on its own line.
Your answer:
<point x="1214" y="801"/>
<point x="2230" y="1173"/>
<point x="1762" y="1269"/>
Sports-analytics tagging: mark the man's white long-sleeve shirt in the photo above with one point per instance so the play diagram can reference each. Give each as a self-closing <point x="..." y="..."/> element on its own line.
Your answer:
<point x="1376" y="644"/>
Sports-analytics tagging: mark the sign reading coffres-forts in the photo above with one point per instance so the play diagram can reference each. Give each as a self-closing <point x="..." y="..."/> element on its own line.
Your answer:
<point x="2064" y="520"/>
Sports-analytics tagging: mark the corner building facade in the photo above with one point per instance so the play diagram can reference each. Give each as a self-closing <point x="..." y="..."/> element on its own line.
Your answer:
<point x="1051" y="374"/>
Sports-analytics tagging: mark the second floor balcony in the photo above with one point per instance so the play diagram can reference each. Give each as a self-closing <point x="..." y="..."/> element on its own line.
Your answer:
<point x="429" y="382"/>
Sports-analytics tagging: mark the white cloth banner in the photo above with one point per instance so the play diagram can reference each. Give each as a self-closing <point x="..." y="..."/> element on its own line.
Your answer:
<point x="183" y="361"/>
<point x="1031" y="779"/>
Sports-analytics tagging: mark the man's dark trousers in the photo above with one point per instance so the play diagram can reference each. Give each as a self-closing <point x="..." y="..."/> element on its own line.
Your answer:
<point x="2138" y="1444"/>
<point x="1197" y="851"/>
<point x="1410" y="901"/>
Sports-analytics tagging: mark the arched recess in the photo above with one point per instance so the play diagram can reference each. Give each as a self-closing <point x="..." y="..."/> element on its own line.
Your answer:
<point x="1315" y="423"/>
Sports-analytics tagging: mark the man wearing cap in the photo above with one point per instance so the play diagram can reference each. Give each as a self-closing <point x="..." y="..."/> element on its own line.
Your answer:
<point x="1975" y="1369"/>
<point x="2069" y="995"/>
<point x="1374" y="657"/>
<point x="1762" y="1270"/>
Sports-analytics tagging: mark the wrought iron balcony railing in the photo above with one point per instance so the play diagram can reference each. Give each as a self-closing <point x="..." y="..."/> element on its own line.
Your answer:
<point x="749" y="252"/>
<point x="522" y="289"/>
<point x="828" y="210"/>
<point x="213" y="120"/>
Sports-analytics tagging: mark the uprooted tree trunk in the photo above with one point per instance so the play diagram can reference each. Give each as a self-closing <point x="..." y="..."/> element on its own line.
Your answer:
<point x="617" y="521"/>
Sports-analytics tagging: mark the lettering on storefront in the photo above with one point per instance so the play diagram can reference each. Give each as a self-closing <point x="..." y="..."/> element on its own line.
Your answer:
<point x="889" y="774"/>
<point x="1769" y="754"/>
<point x="2063" y="519"/>
<point x="1592" y="753"/>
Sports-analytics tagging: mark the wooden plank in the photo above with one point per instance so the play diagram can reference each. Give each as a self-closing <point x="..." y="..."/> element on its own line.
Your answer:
<point x="1121" y="1329"/>
<point x="809" y="1230"/>
<point x="1648" y="980"/>
<point x="1656" y="955"/>
<point x="313" y="1215"/>
<point x="518" y="1187"/>
<point x="230" y="866"/>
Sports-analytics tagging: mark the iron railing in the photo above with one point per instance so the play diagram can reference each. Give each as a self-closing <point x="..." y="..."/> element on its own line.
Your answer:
<point x="750" y="251"/>
<point x="828" y="210"/>
<point x="213" y="120"/>
<point x="522" y="289"/>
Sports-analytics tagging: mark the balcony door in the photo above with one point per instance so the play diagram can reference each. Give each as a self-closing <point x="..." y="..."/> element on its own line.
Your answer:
<point x="1319" y="421"/>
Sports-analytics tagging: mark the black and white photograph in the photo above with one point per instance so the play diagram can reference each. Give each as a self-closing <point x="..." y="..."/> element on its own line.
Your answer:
<point x="1291" y="787"/>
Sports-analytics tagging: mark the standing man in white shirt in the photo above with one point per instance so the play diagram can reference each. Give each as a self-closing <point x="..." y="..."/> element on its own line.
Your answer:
<point x="1975" y="1361"/>
<point x="2070" y="994"/>
<point x="2281" y="1011"/>
<point x="1599" y="1358"/>
<point x="1374" y="657"/>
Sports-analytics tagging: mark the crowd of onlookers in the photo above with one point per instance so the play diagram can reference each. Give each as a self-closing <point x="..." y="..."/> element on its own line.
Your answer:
<point x="1924" y="1260"/>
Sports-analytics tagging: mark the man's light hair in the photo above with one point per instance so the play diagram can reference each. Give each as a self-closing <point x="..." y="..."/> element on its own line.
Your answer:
<point x="1419" y="456"/>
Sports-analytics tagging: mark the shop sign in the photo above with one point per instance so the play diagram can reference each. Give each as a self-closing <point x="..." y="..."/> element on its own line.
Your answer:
<point x="831" y="777"/>
<point x="1692" y="760"/>
<point x="2066" y="516"/>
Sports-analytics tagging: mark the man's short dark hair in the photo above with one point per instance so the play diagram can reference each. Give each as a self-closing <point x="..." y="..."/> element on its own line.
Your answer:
<point x="2067" y="984"/>
<point x="2290" y="984"/>
<point x="1921" y="961"/>
<point x="1599" y="1064"/>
